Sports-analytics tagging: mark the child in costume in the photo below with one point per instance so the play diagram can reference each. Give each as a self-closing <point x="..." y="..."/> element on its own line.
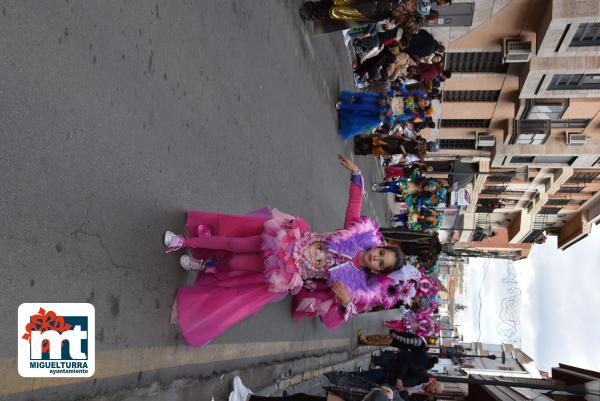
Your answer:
<point x="251" y="260"/>
<point x="363" y="112"/>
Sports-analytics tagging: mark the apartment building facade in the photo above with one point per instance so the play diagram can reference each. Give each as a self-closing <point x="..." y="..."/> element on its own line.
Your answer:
<point x="523" y="105"/>
<point x="472" y="359"/>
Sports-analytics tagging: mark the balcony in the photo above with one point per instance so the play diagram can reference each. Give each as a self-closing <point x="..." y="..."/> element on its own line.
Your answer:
<point x="540" y="224"/>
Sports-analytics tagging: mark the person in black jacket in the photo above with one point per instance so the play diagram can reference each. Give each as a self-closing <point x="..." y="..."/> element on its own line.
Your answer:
<point x="398" y="369"/>
<point x="408" y="366"/>
<point x="423" y="44"/>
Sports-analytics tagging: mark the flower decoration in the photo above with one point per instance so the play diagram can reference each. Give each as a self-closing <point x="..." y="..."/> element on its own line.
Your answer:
<point x="428" y="286"/>
<point x="407" y="292"/>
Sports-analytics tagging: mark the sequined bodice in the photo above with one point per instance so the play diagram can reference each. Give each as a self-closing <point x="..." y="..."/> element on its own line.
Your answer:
<point x="311" y="272"/>
<point x="305" y="267"/>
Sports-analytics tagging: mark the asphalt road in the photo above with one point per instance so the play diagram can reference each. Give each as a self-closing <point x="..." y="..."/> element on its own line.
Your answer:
<point x="116" y="118"/>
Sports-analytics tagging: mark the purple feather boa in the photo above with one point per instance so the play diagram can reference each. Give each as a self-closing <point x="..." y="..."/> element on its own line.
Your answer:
<point x="366" y="288"/>
<point x="360" y="236"/>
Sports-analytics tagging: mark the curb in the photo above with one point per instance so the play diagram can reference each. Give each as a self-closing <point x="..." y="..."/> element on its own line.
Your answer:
<point x="312" y="381"/>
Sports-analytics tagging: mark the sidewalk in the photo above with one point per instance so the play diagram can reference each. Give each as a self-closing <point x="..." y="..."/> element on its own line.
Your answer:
<point x="299" y="372"/>
<point x="310" y="379"/>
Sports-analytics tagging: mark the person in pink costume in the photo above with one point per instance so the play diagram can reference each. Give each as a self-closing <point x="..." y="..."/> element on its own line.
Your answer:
<point x="421" y="323"/>
<point x="250" y="260"/>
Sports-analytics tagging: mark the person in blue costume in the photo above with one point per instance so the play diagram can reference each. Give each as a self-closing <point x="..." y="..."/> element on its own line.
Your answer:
<point x="362" y="112"/>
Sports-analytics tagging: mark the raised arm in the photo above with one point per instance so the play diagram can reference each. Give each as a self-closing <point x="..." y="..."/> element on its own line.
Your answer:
<point x="355" y="192"/>
<point x="354" y="200"/>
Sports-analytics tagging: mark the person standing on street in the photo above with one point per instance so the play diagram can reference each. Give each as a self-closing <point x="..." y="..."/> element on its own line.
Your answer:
<point x="250" y="260"/>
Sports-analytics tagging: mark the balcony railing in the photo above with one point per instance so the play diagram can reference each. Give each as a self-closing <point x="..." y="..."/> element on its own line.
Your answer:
<point x="494" y="190"/>
<point x="540" y="224"/>
<point x="583" y="177"/>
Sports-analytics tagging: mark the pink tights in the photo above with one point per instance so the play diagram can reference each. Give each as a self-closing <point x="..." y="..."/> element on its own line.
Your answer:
<point x="245" y="251"/>
<point x="230" y="244"/>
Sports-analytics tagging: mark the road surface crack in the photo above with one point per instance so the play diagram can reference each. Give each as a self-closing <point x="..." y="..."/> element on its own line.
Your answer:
<point x="81" y="231"/>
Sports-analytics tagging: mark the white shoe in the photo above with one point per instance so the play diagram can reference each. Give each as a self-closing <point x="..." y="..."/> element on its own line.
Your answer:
<point x="242" y="392"/>
<point x="190" y="263"/>
<point x="172" y="241"/>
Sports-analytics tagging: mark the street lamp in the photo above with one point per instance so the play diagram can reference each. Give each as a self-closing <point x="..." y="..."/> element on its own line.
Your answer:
<point x="492" y="357"/>
<point x="454" y="352"/>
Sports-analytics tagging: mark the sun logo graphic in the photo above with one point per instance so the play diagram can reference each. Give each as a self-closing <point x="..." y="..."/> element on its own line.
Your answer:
<point x="56" y="340"/>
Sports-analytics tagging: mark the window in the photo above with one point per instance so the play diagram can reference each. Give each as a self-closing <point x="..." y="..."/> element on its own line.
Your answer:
<point x="573" y="123"/>
<point x="501" y="177"/>
<point x="475" y="62"/>
<point x="531" y="139"/>
<point x="544" y="159"/>
<point x="586" y="35"/>
<point x="575" y="82"/>
<point x="557" y="202"/>
<point x="545" y="109"/>
<point x="583" y="177"/>
<point x="494" y="190"/>
<point x="562" y="38"/>
<point x="555" y="160"/>
<point x="549" y="210"/>
<point x="471" y="96"/>
<point x="522" y="159"/>
<point x="570" y="190"/>
<point x="465" y="123"/>
<point x="457" y="143"/>
<point x="531" y="132"/>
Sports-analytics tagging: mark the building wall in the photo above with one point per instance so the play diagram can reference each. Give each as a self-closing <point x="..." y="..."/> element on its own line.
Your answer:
<point x="541" y="70"/>
<point x="585" y="156"/>
<point x="543" y="200"/>
<point x="483" y="81"/>
<point x="508" y="21"/>
<point x="582" y="108"/>
<point x="561" y="21"/>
